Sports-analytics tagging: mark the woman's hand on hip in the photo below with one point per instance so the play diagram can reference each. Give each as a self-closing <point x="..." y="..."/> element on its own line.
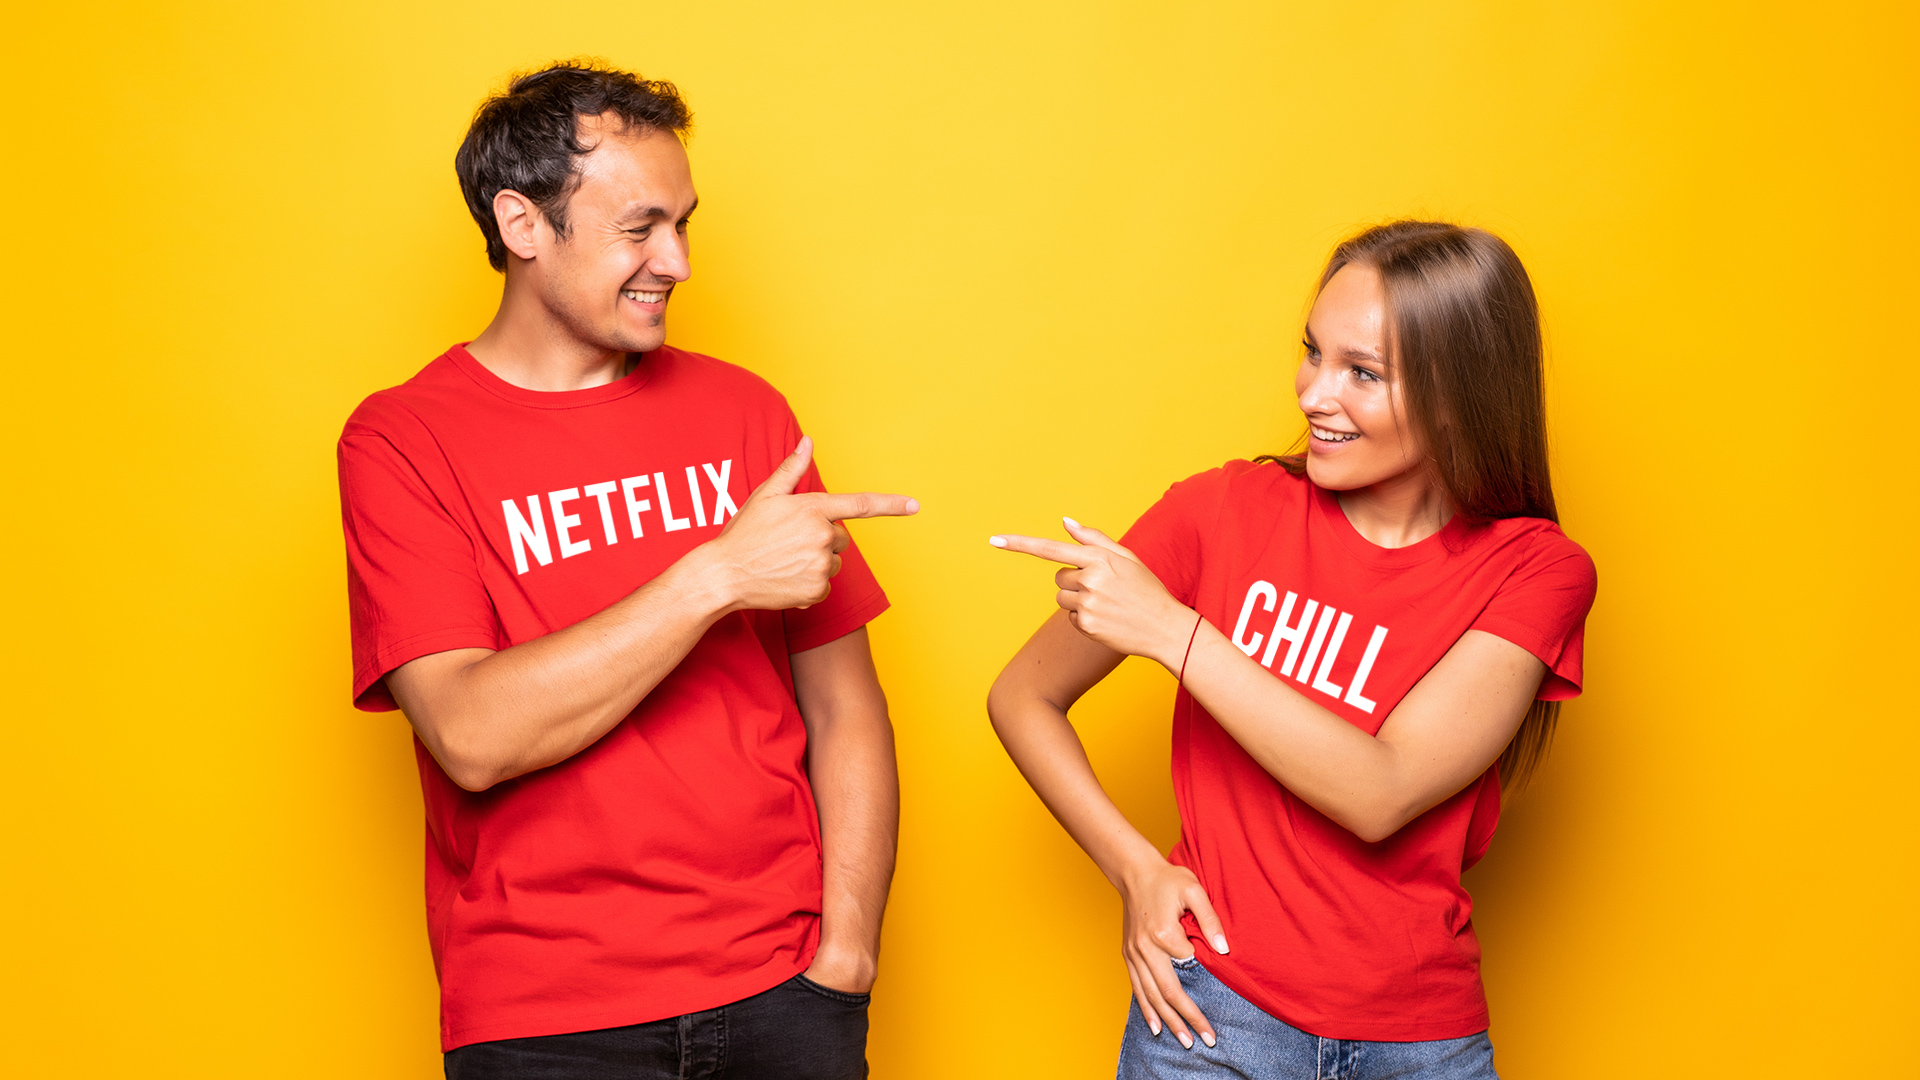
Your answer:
<point x="1154" y="896"/>
<point x="1109" y="594"/>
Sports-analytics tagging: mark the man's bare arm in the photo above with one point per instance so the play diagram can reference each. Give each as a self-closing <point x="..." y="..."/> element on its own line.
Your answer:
<point x="489" y="716"/>
<point x="857" y="788"/>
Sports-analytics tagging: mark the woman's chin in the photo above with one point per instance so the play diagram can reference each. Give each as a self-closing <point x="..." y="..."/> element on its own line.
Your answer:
<point x="1325" y="474"/>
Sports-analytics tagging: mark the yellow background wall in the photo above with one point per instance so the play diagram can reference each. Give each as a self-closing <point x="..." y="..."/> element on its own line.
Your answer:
<point x="1018" y="259"/>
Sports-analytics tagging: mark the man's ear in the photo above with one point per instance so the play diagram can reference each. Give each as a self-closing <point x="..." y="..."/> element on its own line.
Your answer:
<point x="518" y="220"/>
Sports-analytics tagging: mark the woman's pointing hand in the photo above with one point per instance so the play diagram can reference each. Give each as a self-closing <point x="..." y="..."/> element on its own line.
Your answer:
<point x="1109" y="594"/>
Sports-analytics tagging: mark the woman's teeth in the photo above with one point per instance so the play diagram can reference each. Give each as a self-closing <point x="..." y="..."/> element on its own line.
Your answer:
<point x="643" y="297"/>
<point x="1334" y="436"/>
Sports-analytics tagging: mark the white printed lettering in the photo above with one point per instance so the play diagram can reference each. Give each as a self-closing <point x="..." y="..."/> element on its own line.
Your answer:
<point x="526" y="536"/>
<point x="723" y="507"/>
<point x="1360" y="673"/>
<point x="634" y="506"/>
<point x="1264" y="592"/>
<point x="562" y="521"/>
<point x="1320" y="680"/>
<point x="600" y="492"/>
<point x="1319" y="636"/>
<point x="1295" y="636"/>
<point x="673" y="524"/>
<point x="699" y="504"/>
<point x="1273" y="642"/>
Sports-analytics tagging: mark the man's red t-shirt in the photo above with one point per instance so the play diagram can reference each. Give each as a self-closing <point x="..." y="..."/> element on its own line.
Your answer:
<point x="674" y="865"/>
<point x="1338" y="937"/>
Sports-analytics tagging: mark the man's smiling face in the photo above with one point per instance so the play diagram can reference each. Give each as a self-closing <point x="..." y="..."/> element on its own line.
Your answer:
<point x="609" y="279"/>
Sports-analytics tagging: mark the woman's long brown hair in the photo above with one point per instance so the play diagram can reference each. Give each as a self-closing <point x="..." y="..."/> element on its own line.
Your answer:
<point x="1464" y="337"/>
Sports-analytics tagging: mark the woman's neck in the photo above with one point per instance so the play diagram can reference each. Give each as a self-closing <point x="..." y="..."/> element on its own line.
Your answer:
<point x="1399" y="512"/>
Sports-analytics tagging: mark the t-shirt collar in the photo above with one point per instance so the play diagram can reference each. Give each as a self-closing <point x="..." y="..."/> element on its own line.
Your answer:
<point x="1326" y="506"/>
<point x="551" y="399"/>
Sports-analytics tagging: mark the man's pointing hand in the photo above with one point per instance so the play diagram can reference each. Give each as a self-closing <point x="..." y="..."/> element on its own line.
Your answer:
<point x="782" y="549"/>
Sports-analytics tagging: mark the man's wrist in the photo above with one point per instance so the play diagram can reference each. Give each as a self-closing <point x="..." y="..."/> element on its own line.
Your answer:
<point x="705" y="579"/>
<point x="843" y="966"/>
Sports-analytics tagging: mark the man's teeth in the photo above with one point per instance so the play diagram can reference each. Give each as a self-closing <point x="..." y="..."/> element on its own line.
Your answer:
<point x="643" y="297"/>
<point x="1334" y="436"/>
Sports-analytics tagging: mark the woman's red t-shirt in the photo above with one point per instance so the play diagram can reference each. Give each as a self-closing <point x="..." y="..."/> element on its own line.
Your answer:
<point x="1338" y="937"/>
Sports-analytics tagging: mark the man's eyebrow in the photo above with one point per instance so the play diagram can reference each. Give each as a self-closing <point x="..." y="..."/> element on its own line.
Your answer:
<point x="638" y="212"/>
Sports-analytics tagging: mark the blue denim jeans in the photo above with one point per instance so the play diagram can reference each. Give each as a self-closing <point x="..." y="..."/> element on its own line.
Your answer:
<point x="1252" y="1043"/>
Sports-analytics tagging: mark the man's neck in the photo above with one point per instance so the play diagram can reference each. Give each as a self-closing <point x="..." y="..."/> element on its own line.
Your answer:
<point x="526" y="346"/>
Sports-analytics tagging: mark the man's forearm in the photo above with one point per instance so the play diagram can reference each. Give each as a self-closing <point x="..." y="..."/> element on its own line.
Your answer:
<point x="490" y="716"/>
<point x="850" y="763"/>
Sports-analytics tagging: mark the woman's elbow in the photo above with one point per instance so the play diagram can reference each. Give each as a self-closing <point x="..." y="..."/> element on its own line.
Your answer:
<point x="1372" y="824"/>
<point x="1004" y="701"/>
<point x="996" y="704"/>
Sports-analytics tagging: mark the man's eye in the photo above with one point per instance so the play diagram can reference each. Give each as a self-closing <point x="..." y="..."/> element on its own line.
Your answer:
<point x="640" y="232"/>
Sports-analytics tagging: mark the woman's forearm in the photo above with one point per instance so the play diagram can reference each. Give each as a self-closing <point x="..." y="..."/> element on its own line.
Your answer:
<point x="1442" y="734"/>
<point x="1340" y="770"/>
<point x="1028" y="706"/>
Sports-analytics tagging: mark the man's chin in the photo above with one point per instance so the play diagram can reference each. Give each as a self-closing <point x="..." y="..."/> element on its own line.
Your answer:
<point x="641" y="341"/>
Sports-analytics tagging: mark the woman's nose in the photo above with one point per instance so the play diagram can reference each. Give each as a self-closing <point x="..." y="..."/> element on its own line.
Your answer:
<point x="1319" y="392"/>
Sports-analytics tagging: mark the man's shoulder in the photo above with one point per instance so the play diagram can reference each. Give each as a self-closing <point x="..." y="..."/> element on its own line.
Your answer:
<point x="398" y="409"/>
<point x="685" y="369"/>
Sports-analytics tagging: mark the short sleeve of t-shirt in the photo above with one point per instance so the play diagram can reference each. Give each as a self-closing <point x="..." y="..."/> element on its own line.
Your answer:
<point x="413" y="584"/>
<point x="1542" y="607"/>
<point x="856" y="597"/>
<point x="1168" y="537"/>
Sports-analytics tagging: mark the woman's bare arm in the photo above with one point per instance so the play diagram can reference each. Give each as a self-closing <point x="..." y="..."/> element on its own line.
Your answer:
<point x="1447" y="730"/>
<point x="1028" y="705"/>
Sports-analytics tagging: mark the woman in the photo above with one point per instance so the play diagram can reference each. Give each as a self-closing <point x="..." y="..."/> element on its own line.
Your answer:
<point x="1311" y="919"/>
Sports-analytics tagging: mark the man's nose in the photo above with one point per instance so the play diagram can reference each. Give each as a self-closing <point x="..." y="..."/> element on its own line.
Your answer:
<point x="671" y="258"/>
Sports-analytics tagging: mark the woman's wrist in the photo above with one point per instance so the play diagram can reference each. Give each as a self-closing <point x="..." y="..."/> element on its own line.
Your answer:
<point x="1175" y="635"/>
<point x="1136" y="867"/>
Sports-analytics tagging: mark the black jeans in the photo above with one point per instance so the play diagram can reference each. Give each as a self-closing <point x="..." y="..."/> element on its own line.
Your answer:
<point x="798" y="1030"/>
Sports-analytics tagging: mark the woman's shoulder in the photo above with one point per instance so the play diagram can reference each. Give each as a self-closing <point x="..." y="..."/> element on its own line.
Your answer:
<point x="1539" y="549"/>
<point x="1202" y="503"/>
<point x="1263" y="477"/>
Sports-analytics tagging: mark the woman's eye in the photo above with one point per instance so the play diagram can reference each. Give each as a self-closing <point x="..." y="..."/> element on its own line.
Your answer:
<point x="1363" y="375"/>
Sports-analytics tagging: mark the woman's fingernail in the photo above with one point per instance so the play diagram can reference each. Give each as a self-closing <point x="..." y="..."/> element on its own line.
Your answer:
<point x="1207" y="1037"/>
<point x="1186" y="1040"/>
<point x="913" y="506"/>
<point x="1071" y="524"/>
<point x="997" y="541"/>
<point x="1220" y="944"/>
<point x="1154" y="1026"/>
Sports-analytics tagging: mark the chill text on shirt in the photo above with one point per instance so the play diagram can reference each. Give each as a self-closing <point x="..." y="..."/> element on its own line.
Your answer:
<point x="1263" y="594"/>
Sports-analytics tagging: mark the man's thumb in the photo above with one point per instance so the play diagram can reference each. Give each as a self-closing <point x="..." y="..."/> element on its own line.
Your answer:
<point x="788" y="474"/>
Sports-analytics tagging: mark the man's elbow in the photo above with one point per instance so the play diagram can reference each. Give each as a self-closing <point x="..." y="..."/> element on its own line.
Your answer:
<point x="468" y="765"/>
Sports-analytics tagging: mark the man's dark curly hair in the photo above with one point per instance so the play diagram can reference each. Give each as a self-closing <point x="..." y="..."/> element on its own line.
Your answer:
<point x="527" y="139"/>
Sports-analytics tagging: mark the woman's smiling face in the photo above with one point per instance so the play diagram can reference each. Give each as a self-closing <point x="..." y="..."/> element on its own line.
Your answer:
<point x="1358" y="434"/>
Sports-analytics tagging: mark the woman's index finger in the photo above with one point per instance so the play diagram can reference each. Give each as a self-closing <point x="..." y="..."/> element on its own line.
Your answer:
<point x="1051" y="550"/>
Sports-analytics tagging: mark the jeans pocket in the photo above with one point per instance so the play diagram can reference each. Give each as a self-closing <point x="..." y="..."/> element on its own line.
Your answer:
<point x="841" y="996"/>
<point x="1187" y="964"/>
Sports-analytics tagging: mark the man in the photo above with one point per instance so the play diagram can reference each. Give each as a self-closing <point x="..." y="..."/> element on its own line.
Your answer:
<point x="657" y="764"/>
